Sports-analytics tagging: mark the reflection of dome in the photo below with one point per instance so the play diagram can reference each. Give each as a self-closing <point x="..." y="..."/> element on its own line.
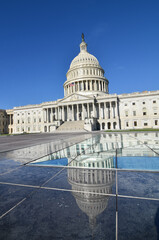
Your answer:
<point x="88" y="186"/>
<point x="91" y="205"/>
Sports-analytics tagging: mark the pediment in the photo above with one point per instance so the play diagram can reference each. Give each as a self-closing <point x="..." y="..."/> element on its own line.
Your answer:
<point x="75" y="97"/>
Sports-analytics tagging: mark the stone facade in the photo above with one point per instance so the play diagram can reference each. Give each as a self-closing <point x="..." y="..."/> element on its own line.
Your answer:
<point x="87" y="104"/>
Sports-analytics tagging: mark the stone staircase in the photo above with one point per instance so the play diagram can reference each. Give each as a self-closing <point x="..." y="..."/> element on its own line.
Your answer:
<point x="72" y="126"/>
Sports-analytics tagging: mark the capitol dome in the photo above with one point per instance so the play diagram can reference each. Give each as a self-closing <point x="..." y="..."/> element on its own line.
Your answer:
<point x="84" y="58"/>
<point x="85" y="75"/>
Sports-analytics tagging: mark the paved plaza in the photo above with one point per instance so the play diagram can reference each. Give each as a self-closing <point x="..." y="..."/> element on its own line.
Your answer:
<point x="79" y="186"/>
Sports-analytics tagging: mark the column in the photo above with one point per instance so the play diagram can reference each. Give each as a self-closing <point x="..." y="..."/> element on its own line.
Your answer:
<point x="44" y="115"/>
<point x="82" y="112"/>
<point x="58" y="113"/>
<point x="62" y="113"/>
<point x="47" y="115"/>
<point x="67" y="113"/>
<point x="95" y="85"/>
<point x="91" y="85"/>
<point x="77" y="112"/>
<point x="88" y="110"/>
<point x="86" y="85"/>
<point x="73" y="115"/>
<point x="105" y="113"/>
<point x="93" y="108"/>
<point x="116" y="112"/>
<point x="51" y="114"/>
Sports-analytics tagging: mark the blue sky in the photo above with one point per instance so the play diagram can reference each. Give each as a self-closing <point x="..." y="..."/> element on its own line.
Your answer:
<point x="39" y="39"/>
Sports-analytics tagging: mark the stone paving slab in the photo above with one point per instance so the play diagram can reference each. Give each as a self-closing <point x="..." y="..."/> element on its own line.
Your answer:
<point x="13" y="142"/>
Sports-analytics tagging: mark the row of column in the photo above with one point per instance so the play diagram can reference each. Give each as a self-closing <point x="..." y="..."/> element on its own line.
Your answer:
<point x="91" y="176"/>
<point x="77" y="112"/>
<point x="89" y="85"/>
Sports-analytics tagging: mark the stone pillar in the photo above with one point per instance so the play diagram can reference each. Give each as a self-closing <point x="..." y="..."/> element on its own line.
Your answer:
<point x="62" y="111"/>
<point x="82" y="111"/>
<point x="85" y="111"/>
<point x="67" y="113"/>
<point x="91" y="85"/>
<point x="88" y="110"/>
<point x="93" y="108"/>
<point x="77" y="112"/>
<point x="47" y="115"/>
<point x="105" y="112"/>
<point x="73" y="116"/>
<point x="86" y="85"/>
<point x="100" y="111"/>
<point x="51" y="114"/>
<point x="58" y="113"/>
<point x="96" y="85"/>
<point x="116" y="112"/>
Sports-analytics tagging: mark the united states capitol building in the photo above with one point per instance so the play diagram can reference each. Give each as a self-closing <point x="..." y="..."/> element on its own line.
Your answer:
<point x="87" y="104"/>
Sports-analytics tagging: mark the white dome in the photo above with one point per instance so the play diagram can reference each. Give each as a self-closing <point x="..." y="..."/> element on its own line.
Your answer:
<point x="84" y="58"/>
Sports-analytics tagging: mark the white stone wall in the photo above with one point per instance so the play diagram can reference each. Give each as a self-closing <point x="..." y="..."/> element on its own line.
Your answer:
<point x="28" y="120"/>
<point x="140" y="110"/>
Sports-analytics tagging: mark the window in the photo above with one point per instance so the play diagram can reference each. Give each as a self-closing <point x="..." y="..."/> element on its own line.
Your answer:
<point x="144" y="113"/>
<point x="156" y="122"/>
<point x="145" y="124"/>
<point x="133" y="103"/>
<point x="135" y="123"/>
<point x="154" y="101"/>
<point x="155" y="113"/>
<point x="34" y="119"/>
<point x="126" y="104"/>
<point x="39" y="119"/>
<point x="28" y="119"/>
<point x="126" y="113"/>
<point x="18" y="121"/>
<point x="28" y="129"/>
<point x="143" y="102"/>
<point x="127" y="124"/>
<point x="134" y="113"/>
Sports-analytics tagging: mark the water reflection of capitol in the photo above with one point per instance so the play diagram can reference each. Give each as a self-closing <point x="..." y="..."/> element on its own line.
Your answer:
<point x="89" y="187"/>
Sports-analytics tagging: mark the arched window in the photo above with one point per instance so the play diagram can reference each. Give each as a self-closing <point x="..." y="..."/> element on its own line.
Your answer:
<point x="109" y="125"/>
<point x="114" y="125"/>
